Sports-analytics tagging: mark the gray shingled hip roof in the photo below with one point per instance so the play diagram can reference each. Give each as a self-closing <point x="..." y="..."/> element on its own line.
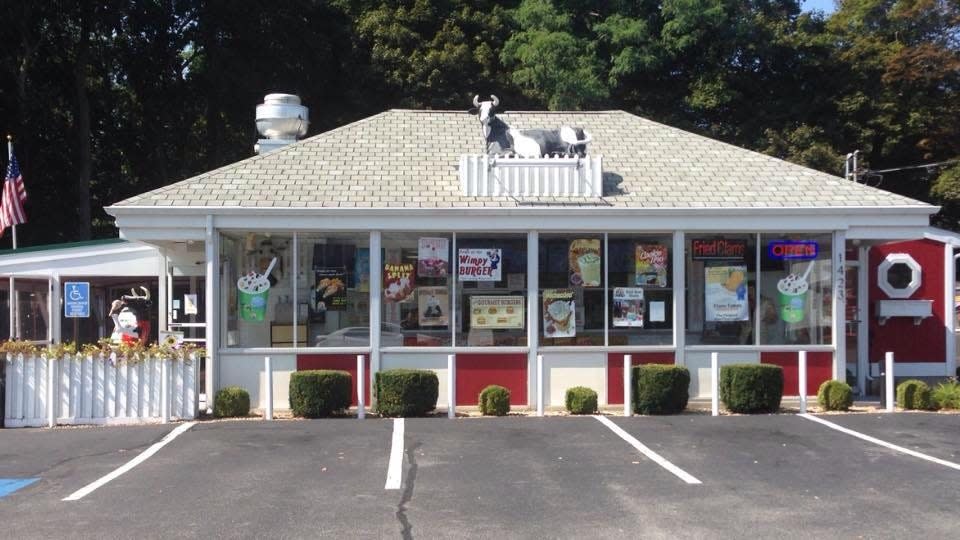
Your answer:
<point x="409" y="159"/>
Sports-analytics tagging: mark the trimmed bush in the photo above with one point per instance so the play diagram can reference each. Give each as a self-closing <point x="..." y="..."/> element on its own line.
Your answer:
<point x="581" y="400"/>
<point x="319" y="392"/>
<point x="835" y="396"/>
<point x="947" y="395"/>
<point x="494" y="401"/>
<point x="231" y="401"/>
<point x="660" y="389"/>
<point x="406" y="392"/>
<point x="751" y="388"/>
<point x="913" y="394"/>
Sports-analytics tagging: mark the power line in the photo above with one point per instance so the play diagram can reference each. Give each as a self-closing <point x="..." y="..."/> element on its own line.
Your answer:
<point x="908" y="167"/>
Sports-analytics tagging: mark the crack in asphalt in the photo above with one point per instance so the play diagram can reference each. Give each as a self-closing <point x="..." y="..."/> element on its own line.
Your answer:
<point x="406" y="529"/>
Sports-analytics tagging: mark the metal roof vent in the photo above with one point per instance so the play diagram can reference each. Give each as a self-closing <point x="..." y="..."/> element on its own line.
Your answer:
<point x="281" y="119"/>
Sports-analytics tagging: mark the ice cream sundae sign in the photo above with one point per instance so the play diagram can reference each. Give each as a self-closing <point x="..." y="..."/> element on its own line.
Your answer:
<point x="478" y="264"/>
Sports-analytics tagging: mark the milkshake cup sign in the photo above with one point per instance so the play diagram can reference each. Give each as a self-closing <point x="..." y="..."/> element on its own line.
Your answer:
<point x="254" y="291"/>
<point x="559" y="313"/>
<point x="585" y="270"/>
<point x="793" y="295"/>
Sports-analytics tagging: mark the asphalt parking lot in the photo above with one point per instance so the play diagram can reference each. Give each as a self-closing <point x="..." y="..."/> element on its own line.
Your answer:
<point x="515" y="477"/>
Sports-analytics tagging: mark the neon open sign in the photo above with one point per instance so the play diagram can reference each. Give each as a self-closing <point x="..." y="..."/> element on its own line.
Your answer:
<point x="793" y="250"/>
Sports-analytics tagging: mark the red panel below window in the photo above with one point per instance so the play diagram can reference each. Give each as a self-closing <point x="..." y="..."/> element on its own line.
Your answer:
<point x="476" y="371"/>
<point x="819" y="369"/>
<point x="344" y="362"/>
<point x="615" y="371"/>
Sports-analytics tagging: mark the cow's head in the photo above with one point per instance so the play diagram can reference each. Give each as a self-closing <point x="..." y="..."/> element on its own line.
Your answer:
<point x="485" y="110"/>
<point x="129" y="312"/>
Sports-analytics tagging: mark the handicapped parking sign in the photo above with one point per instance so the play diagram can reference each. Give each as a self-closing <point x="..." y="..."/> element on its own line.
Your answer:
<point x="76" y="299"/>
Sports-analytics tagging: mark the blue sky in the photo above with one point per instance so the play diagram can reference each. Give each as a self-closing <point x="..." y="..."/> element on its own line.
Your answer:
<point x="825" y="6"/>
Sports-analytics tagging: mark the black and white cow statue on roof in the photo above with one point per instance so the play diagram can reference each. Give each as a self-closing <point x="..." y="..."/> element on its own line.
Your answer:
<point x="503" y="139"/>
<point x="131" y="318"/>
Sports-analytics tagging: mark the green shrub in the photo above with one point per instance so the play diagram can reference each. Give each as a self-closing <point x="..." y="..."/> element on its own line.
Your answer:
<point x="660" y="389"/>
<point x="406" y="392"/>
<point x="913" y="394"/>
<point x="581" y="400"/>
<point x="320" y="392"/>
<point x="231" y="401"/>
<point x="751" y="388"/>
<point x="494" y="400"/>
<point x="947" y="395"/>
<point x="835" y="396"/>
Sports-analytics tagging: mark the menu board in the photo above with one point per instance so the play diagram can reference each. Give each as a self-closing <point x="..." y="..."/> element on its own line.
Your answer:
<point x="434" y="305"/>
<point x="398" y="282"/>
<point x="651" y="265"/>
<point x="492" y="312"/>
<point x="628" y="307"/>
<point x="585" y="268"/>
<point x="726" y="293"/>
<point x="559" y="313"/>
<point x="433" y="257"/>
<point x="479" y="264"/>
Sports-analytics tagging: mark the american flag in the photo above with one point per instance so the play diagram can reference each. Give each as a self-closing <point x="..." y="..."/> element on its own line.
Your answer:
<point x="14" y="195"/>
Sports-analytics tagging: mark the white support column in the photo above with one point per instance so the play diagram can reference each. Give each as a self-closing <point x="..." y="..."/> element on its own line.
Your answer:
<point x="12" y="293"/>
<point x="949" y="309"/>
<point x="679" y="298"/>
<point x="268" y="375"/>
<point x="212" y="293"/>
<point x="451" y="386"/>
<point x="163" y="292"/>
<point x="539" y="385"/>
<point x="715" y="384"/>
<point x="293" y="288"/>
<point x="891" y="399"/>
<point x="627" y="384"/>
<point x="376" y="298"/>
<point x="533" y="312"/>
<point x="838" y="331"/>
<point x="56" y="310"/>
<point x="863" y="315"/>
<point x="361" y="378"/>
<point x="802" y="390"/>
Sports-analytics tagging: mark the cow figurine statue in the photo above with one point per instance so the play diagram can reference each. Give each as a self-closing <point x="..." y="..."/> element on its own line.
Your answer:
<point x="131" y="318"/>
<point x="500" y="138"/>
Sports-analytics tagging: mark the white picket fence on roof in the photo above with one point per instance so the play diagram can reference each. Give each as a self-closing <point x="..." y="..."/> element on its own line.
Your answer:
<point x="495" y="175"/>
<point x="99" y="389"/>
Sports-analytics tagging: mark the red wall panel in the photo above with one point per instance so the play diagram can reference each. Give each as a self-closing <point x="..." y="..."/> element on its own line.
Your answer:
<point x="819" y="369"/>
<point x="910" y="343"/>
<point x="477" y="371"/>
<point x="344" y="362"/>
<point x="615" y="371"/>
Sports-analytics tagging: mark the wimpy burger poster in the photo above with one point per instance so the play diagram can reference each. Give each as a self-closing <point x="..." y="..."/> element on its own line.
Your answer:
<point x="478" y="264"/>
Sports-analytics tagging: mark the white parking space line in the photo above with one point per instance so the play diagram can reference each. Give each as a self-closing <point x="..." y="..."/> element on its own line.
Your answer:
<point x="657" y="458"/>
<point x="394" y="469"/>
<point x="154" y="448"/>
<point x="885" y="444"/>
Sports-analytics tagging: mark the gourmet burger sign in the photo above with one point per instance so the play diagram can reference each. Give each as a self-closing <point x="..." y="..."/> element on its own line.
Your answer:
<point x="793" y="250"/>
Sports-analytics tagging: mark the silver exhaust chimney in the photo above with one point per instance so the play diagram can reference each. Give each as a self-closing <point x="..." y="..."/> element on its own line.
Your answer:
<point x="281" y="120"/>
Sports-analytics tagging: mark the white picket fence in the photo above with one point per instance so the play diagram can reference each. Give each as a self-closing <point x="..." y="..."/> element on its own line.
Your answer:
<point x="98" y="390"/>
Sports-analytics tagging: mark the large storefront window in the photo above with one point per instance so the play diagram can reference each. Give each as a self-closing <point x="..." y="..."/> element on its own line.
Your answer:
<point x="333" y="289"/>
<point x="4" y="310"/>
<point x="795" y="302"/>
<point x="257" y="289"/>
<point x="32" y="317"/>
<point x="138" y="295"/>
<point x="312" y="294"/>
<point x="640" y="292"/>
<point x="417" y="289"/>
<point x="491" y="290"/>
<point x="571" y="290"/>
<point x="721" y="277"/>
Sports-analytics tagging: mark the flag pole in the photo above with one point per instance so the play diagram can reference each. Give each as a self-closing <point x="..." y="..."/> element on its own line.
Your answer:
<point x="10" y="158"/>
